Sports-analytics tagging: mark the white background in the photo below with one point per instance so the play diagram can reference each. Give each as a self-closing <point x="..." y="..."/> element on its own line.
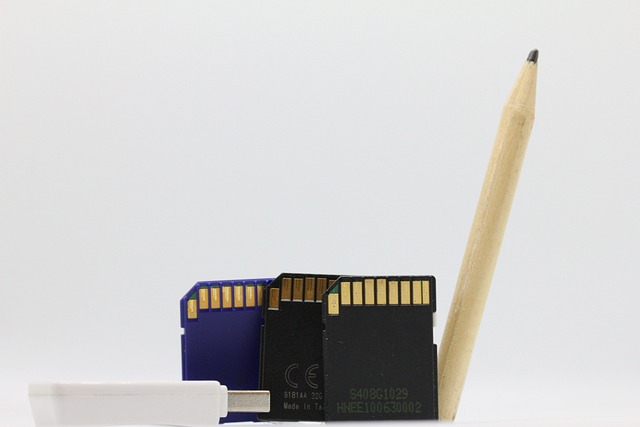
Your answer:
<point x="148" y="145"/>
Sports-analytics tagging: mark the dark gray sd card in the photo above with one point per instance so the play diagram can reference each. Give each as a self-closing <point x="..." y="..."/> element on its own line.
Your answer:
<point x="379" y="355"/>
<point x="291" y="361"/>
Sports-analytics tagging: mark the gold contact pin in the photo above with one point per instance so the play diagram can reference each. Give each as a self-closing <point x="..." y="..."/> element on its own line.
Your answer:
<point x="417" y="292"/>
<point x="345" y="293"/>
<point x="426" y="296"/>
<point x="298" y="286"/>
<point x="333" y="304"/>
<point x="357" y="293"/>
<point x="369" y="292"/>
<point x="274" y="299"/>
<point x="285" y="289"/>
<point x="321" y="286"/>
<point x="405" y="292"/>
<point x="215" y="297"/>
<point x="251" y="296"/>
<point x="310" y="289"/>
<point x="393" y="292"/>
<point x="381" y="291"/>
<point x="203" y="298"/>
<point x="238" y="296"/>
<point x="226" y="297"/>
<point x="260" y="294"/>
<point x="192" y="309"/>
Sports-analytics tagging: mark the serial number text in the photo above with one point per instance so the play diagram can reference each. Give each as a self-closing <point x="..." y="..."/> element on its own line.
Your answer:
<point x="393" y="393"/>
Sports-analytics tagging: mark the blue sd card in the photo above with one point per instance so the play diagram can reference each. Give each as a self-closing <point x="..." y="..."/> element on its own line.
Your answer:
<point x="221" y="338"/>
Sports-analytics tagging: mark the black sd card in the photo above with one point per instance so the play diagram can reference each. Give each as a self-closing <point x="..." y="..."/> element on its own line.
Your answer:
<point x="379" y="355"/>
<point x="291" y="361"/>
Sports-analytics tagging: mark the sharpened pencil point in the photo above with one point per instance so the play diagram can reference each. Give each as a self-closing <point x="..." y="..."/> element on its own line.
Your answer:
<point x="533" y="56"/>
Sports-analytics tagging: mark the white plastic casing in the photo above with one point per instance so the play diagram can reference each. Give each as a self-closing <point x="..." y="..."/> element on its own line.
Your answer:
<point x="186" y="403"/>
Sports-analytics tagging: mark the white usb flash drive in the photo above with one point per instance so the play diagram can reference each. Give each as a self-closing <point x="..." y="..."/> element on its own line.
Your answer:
<point x="183" y="403"/>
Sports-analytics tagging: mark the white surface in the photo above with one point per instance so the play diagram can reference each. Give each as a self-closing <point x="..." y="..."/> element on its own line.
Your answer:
<point x="148" y="145"/>
<point x="178" y="403"/>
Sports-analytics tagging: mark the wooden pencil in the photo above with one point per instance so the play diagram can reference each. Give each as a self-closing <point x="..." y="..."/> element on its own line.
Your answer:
<point x="485" y="238"/>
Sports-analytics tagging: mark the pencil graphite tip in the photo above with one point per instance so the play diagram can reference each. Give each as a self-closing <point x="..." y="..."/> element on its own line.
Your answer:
<point x="533" y="56"/>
